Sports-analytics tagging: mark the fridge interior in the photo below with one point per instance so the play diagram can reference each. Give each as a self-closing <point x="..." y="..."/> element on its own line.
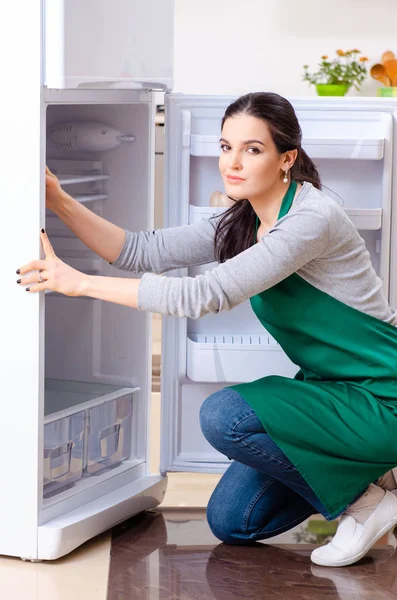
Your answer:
<point x="97" y="354"/>
<point x="354" y="176"/>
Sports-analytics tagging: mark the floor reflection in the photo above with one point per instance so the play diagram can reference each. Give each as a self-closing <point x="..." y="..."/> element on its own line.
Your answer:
<point x="172" y="554"/>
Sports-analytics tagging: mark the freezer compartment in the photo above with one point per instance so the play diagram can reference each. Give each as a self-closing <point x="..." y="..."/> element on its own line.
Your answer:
<point x="239" y="358"/>
<point x="63" y="452"/>
<point x="88" y="428"/>
<point x="108" y="434"/>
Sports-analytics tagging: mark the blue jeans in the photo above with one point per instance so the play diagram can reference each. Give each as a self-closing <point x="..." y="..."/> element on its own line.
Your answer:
<point x="261" y="494"/>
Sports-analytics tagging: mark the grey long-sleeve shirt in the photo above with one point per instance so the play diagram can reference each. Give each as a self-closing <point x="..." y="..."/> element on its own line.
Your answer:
<point x="315" y="239"/>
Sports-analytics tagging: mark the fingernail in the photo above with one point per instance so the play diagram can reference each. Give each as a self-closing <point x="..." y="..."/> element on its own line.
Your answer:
<point x="19" y="270"/>
<point x="19" y="280"/>
<point x="28" y="289"/>
<point x="43" y="231"/>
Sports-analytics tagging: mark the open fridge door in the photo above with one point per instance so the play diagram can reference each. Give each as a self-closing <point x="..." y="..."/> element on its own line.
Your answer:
<point x="22" y="190"/>
<point x="351" y="142"/>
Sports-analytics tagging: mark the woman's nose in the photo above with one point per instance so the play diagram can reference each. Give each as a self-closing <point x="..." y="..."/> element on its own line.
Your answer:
<point x="235" y="161"/>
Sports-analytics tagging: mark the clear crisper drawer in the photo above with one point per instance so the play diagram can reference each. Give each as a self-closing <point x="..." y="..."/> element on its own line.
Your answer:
<point x="87" y="428"/>
<point x="108" y="430"/>
<point x="63" y="452"/>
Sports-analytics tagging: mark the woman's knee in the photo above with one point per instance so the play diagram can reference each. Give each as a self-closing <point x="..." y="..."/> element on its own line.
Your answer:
<point x="222" y="524"/>
<point x="215" y="416"/>
<point x="225" y="416"/>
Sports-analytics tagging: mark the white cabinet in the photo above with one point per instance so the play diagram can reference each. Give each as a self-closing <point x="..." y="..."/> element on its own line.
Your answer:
<point x="105" y="43"/>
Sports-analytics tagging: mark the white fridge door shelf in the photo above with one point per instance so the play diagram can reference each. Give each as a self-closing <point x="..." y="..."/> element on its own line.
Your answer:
<point x="340" y="148"/>
<point x="363" y="218"/>
<point x="239" y="358"/>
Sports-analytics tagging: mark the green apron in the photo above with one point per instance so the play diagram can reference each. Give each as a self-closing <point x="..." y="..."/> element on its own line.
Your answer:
<point x="336" y="420"/>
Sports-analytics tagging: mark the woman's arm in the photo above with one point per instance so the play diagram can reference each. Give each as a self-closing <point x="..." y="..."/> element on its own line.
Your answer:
<point x="296" y="239"/>
<point x="154" y="251"/>
<point x="102" y="236"/>
<point x="161" y="250"/>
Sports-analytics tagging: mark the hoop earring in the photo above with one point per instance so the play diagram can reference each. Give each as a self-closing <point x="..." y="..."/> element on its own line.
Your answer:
<point x="285" y="180"/>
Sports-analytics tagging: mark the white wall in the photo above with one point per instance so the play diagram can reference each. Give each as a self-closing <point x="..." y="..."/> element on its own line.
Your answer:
<point x="237" y="46"/>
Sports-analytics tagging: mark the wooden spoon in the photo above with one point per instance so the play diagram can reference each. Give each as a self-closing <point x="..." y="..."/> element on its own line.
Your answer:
<point x="391" y="70"/>
<point x="378" y="72"/>
<point x="388" y="55"/>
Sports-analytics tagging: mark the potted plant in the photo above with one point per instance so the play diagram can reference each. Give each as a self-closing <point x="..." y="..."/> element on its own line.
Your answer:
<point x="335" y="77"/>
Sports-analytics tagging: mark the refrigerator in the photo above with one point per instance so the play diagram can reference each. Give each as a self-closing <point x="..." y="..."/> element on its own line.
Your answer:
<point x="79" y="88"/>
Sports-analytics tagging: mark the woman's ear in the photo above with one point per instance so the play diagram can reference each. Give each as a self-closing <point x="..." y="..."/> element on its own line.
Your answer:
<point x="290" y="158"/>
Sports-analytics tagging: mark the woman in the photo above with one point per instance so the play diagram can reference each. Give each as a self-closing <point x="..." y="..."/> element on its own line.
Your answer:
<point x="315" y="443"/>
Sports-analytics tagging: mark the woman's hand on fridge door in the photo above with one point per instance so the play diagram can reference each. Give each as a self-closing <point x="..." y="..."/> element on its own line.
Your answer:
<point x="52" y="274"/>
<point x="53" y="189"/>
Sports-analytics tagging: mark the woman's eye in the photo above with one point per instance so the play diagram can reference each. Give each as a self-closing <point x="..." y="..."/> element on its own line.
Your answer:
<point x="253" y="150"/>
<point x="224" y="147"/>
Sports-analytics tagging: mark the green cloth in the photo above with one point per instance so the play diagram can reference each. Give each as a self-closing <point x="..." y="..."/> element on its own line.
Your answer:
<point x="336" y="420"/>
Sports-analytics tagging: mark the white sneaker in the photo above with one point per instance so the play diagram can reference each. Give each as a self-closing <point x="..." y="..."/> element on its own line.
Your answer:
<point x="352" y="540"/>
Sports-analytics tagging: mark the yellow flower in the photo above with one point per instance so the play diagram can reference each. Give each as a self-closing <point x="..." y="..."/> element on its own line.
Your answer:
<point x="363" y="58"/>
<point x="340" y="53"/>
<point x="324" y="57"/>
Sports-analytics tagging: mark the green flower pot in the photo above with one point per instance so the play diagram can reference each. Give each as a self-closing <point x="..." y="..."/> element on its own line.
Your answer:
<point x="387" y="92"/>
<point x="328" y="89"/>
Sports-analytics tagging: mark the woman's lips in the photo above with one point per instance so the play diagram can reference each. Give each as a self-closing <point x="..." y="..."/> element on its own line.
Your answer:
<point x="234" y="179"/>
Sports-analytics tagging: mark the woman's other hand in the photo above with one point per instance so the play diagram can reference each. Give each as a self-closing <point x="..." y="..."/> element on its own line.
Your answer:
<point x="53" y="189"/>
<point x="52" y="274"/>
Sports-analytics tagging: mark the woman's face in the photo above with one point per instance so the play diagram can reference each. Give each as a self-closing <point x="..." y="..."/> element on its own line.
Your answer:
<point x="249" y="162"/>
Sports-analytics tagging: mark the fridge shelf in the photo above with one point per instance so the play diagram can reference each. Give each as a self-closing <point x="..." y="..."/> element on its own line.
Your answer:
<point x="83" y="198"/>
<point x="363" y="218"/>
<point x="70" y="179"/>
<point x="87" y="428"/>
<point x="235" y="358"/>
<point x="340" y="148"/>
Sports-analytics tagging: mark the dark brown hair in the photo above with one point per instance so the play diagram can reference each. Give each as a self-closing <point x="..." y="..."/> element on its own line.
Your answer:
<point x="235" y="229"/>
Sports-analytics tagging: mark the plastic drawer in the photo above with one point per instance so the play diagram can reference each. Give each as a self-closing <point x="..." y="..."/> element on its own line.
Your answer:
<point x="108" y="434"/>
<point x="63" y="452"/>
